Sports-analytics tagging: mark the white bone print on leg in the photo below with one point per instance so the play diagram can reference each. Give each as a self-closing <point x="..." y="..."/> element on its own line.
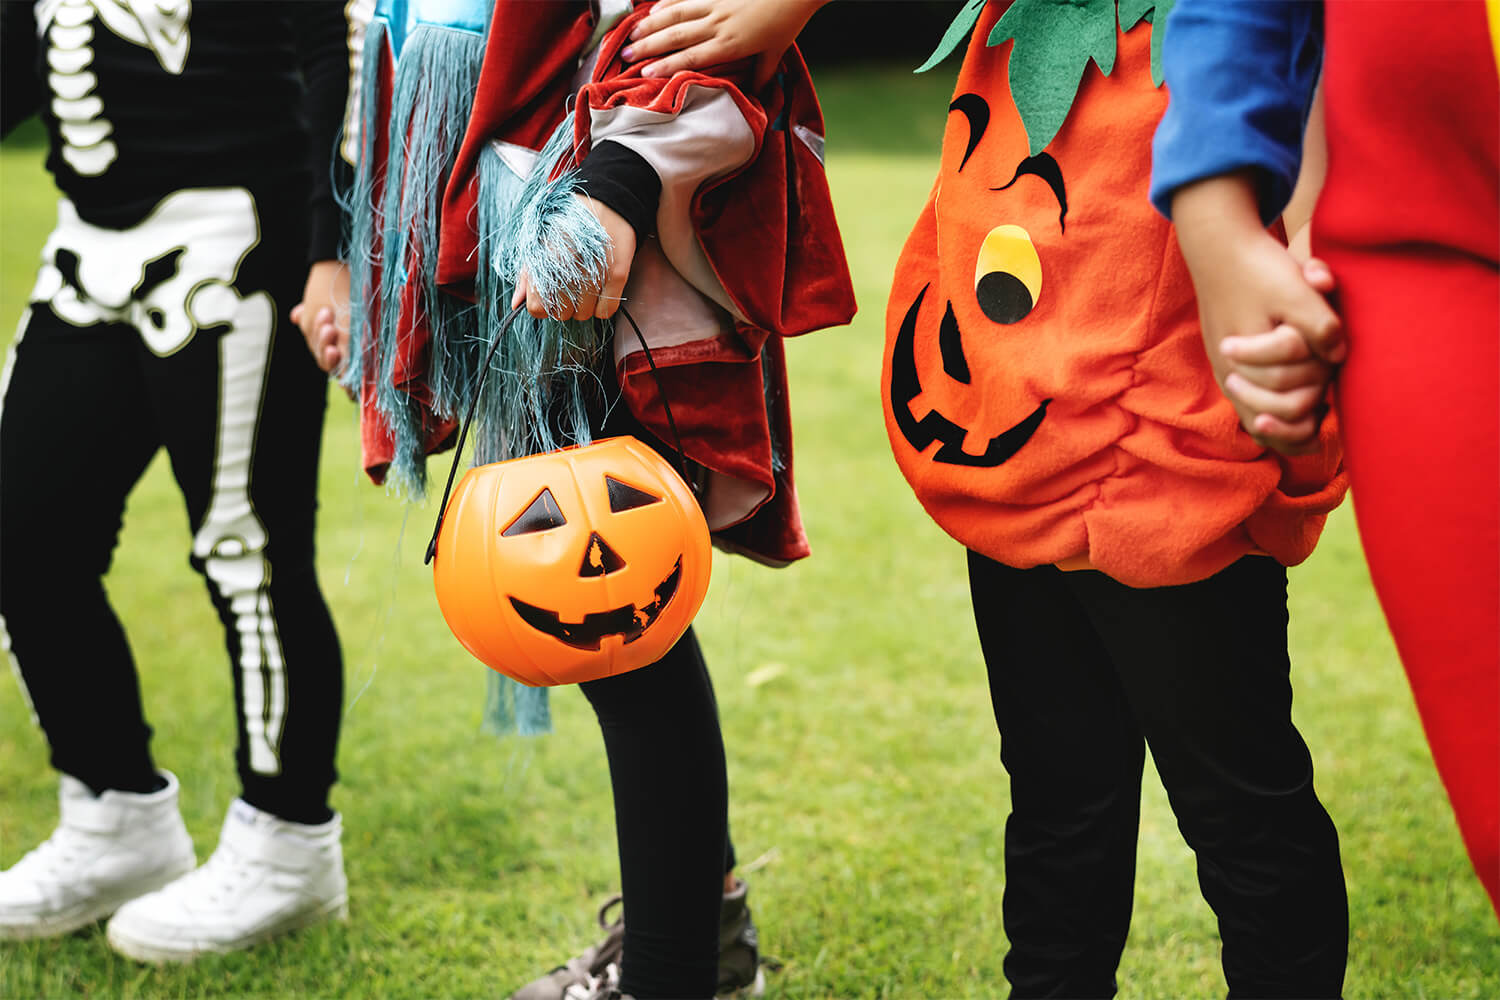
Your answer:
<point x="159" y="25"/>
<point x="172" y="278"/>
<point x="232" y="540"/>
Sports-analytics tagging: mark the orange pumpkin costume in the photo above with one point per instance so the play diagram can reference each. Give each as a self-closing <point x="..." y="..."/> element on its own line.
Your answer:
<point x="1048" y="398"/>
<point x="1042" y="333"/>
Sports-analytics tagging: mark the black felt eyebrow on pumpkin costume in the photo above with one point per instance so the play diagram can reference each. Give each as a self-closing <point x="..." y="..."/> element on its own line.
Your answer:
<point x="1044" y="166"/>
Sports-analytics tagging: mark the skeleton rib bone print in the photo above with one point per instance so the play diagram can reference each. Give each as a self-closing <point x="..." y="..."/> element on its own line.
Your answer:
<point x="161" y="27"/>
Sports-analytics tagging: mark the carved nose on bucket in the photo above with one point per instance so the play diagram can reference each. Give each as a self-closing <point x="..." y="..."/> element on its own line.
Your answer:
<point x="599" y="559"/>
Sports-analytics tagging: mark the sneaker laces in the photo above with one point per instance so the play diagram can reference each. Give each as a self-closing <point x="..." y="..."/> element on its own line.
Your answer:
<point x="592" y="972"/>
<point x="222" y="877"/>
<point x="55" y="858"/>
<point x="607" y="953"/>
<point x="600" y="987"/>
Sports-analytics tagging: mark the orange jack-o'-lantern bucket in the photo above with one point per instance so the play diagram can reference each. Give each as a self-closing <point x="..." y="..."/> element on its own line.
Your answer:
<point x="570" y="565"/>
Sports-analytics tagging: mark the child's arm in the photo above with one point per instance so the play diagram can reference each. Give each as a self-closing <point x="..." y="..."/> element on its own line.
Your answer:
<point x="691" y="148"/>
<point x="623" y="191"/>
<point x="1226" y="158"/>
<point x="324" y="37"/>
<point x="1297" y="216"/>
<point x="694" y="34"/>
<point x="1277" y="367"/>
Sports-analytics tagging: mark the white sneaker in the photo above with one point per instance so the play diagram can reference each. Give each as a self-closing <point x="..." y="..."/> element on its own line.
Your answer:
<point x="106" y="850"/>
<point x="266" y="877"/>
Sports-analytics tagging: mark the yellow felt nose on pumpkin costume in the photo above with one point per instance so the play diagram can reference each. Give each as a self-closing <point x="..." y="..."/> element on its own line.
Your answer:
<point x="572" y="565"/>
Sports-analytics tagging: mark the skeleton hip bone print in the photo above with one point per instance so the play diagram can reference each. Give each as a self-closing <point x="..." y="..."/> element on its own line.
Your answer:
<point x="171" y="278"/>
<point x="168" y="277"/>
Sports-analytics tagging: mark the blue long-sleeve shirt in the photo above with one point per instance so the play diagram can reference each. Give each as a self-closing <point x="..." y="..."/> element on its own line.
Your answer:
<point x="1240" y="78"/>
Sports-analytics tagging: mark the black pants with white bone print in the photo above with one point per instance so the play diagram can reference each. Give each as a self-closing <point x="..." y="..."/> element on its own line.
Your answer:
<point x="171" y="335"/>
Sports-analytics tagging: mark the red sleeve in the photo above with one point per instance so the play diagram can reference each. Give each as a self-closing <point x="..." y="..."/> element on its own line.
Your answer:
<point x="756" y="197"/>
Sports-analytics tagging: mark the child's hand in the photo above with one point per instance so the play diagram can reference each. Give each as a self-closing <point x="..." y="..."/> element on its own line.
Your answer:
<point x="696" y="34"/>
<point x="1252" y="290"/>
<point x="590" y="302"/>
<point x="323" y="314"/>
<point x="1276" y="372"/>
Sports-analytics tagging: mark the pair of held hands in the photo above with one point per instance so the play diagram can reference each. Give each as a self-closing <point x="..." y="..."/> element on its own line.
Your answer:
<point x="1271" y="336"/>
<point x="677" y="35"/>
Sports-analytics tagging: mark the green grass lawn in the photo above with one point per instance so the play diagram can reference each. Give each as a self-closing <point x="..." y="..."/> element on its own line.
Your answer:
<point x="865" y="780"/>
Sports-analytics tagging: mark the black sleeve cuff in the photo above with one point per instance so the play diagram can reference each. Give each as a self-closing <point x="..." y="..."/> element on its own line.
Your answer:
<point x="622" y="179"/>
<point x="325" y="235"/>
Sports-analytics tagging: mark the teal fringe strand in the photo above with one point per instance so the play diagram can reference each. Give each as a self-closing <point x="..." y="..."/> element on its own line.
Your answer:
<point x="433" y="92"/>
<point x="552" y="236"/>
<point x="361" y="213"/>
<point x="546" y="371"/>
<point x="434" y="87"/>
<point x="510" y="707"/>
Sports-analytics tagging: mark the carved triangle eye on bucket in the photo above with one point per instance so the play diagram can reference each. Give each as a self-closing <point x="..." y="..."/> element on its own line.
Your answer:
<point x="623" y="496"/>
<point x="541" y="514"/>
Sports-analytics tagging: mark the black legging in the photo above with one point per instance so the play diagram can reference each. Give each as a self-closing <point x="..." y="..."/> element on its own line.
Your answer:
<point x="666" y="768"/>
<point x="1085" y="673"/>
<point x="666" y="765"/>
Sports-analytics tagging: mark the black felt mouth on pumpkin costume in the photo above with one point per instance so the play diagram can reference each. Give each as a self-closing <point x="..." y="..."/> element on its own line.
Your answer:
<point x="628" y="620"/>
<point x="906" y="386"/>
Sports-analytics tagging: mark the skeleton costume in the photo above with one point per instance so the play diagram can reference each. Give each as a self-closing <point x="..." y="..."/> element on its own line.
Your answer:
<point x="191" y="143"/>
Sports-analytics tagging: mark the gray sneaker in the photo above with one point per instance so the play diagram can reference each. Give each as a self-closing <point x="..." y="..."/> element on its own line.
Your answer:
<point x="740" y="964"/>
<point x="593" y="974"/>
<point x="589" y="975"/>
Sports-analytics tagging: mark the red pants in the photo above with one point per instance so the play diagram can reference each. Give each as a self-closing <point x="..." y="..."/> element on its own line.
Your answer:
<point x="1409" y="221"/>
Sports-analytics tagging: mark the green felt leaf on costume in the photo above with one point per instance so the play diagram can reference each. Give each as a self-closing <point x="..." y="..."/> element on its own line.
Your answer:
<point x="1131" y="12"/>
<point x="956" y="33"/>
<point x="1054" y="41"/>
<point x="1156" y="11"/>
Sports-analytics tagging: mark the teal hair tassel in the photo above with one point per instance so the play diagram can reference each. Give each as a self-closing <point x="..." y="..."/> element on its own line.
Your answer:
<point x="546" y="371"/>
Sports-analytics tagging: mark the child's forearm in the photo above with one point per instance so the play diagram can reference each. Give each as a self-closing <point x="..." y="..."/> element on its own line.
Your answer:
<point x="1215" y="208"/>
<point x="1268" y="334"/>
<point x="1299" y="210"/>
